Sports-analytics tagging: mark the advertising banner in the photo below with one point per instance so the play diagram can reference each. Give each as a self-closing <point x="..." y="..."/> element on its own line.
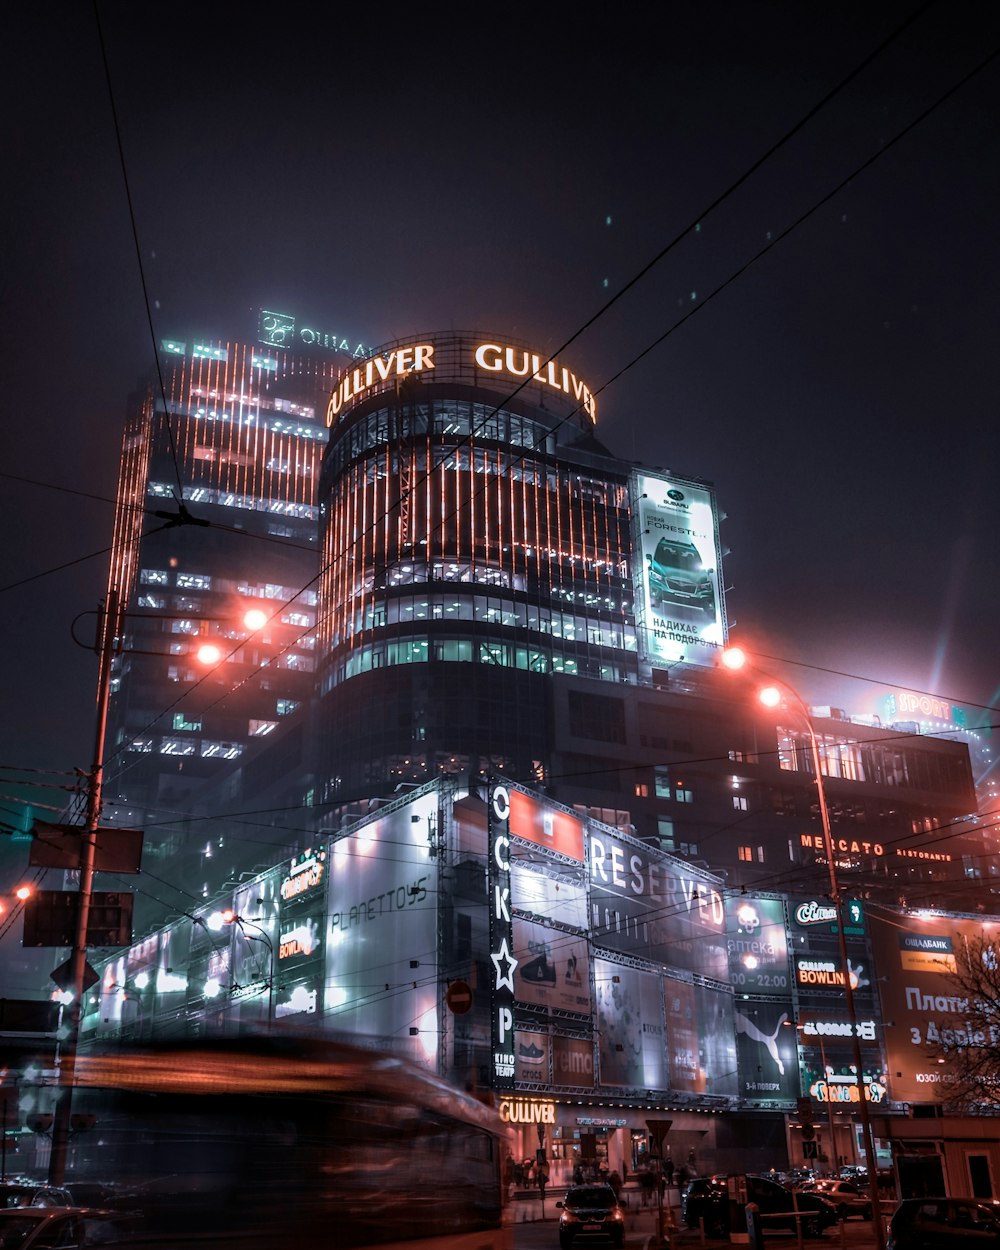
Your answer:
<point x="758" y="945"/>
<point x="646" y="903"/>
<point x="573" y="1062"/>
<point x="701" y="1045"/>
<point x="629" y="1026"/>
<point x="382" y="899"/>
<point x="553" y="968"/>
<point x="678" y="570"/>
<point x="532" y="1056"/>
<point x="766" y="1051"/>
<point x="172" y="968"/>
<point x="545" y="826"/>
<point x="557" y="898"/>
<point x="916" y="960"/>
<point x="255" y="945"/>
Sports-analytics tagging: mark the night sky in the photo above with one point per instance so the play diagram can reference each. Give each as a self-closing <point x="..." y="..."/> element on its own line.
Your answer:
<point x="510" y="170"/>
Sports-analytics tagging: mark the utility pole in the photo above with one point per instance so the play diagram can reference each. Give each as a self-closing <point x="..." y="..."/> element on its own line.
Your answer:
<point x="108" y="629"/>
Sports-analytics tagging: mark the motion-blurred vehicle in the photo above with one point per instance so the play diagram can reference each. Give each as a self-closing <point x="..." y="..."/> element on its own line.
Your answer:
<point x="33" y="1194"/>
<point x="590" y="1212"/>
<point x="275" y="1139"/>
<point x="941" y="1223"/>
<point x="707" y="1199"/>
<point x="845" y="1196"/>
<point x="42" y="1228"/>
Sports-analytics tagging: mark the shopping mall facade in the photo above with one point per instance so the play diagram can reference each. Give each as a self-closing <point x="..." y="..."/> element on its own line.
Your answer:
<point x="514" y="642"/>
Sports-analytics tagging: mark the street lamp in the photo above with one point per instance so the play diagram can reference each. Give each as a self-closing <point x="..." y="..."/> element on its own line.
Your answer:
<point x="775" y="693"/>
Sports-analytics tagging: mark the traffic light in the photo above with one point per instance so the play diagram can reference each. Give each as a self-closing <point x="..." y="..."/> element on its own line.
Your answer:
<point x="804" y="1109"/>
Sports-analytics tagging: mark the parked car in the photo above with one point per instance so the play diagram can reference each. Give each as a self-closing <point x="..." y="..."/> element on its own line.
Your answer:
<point x="707" y="1198"/>
<point x="940" y="1223"/>
<point x="590" y="1212"/>
<point x="845" y="1196"/>
<point x="33" y="1194"/>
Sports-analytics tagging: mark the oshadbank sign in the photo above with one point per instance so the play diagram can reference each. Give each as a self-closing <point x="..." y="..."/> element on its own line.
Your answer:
<point x="501" y="359"/>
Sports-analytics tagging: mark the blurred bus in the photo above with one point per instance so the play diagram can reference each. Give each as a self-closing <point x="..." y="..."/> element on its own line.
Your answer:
<point x="284" y="1141"/>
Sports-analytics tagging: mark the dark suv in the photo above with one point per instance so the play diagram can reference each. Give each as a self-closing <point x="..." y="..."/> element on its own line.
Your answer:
<point x="940" y="1223"/>
<point x="590" y="1211"/>
<point x="708" y="1199"/>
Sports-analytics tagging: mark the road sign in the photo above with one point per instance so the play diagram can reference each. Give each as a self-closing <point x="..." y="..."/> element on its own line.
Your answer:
<point x="658" y="1129"/>
<point x="50" y="918"/>
<point x="59" y="846"/>
<point x="458" y="997"/>
<point x="810" y="1150"/>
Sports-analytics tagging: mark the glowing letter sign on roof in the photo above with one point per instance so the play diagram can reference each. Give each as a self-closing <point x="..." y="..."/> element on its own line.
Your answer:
<point x="501" y="358"/>
<point x="397" y="364"/>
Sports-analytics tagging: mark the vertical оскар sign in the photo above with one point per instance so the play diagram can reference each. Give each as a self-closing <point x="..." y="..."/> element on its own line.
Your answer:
<point x="680" y="588"/>
<point x="501" y="940"/>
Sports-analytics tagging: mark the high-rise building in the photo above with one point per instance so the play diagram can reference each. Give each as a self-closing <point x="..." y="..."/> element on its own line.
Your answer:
<point x="501" y="594"/>
<point x="479" y="546"/>
<point x="214" y="564"/>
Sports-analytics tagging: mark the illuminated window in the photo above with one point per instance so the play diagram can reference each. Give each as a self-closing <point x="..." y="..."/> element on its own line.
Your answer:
<point x="661" y="781"/>
<point x="261" y="728"/>
<point x="751" y="854"/>
<point x="641" y="790"/>
<point x="681" y="795"/>
<point x="285" y="707"/>
<point x="220" y="750"/>
<point x="194" y="581"/>
<point x="741" y="802"/>
<point x="153" y="577"/>
<point x="181" y="722"/>
<point x="665" y="830"/>
<point x="177" y="746"/>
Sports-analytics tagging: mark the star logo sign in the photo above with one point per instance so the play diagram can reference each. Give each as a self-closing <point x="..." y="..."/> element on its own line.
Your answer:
<point x="504" y="957"/>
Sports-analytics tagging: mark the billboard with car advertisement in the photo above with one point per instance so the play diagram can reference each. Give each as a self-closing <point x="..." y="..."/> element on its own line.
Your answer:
<point x="679" y="586"/>
<point x="381" y="932"/>
<point x="915" y="955"/>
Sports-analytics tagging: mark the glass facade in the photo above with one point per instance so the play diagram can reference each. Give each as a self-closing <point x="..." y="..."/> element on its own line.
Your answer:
<point x="233" y="440"/>
<point x="465" y="525"/>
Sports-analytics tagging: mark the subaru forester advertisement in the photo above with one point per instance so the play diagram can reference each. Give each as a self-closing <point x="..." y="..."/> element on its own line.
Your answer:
<point x="679" y="571"/>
